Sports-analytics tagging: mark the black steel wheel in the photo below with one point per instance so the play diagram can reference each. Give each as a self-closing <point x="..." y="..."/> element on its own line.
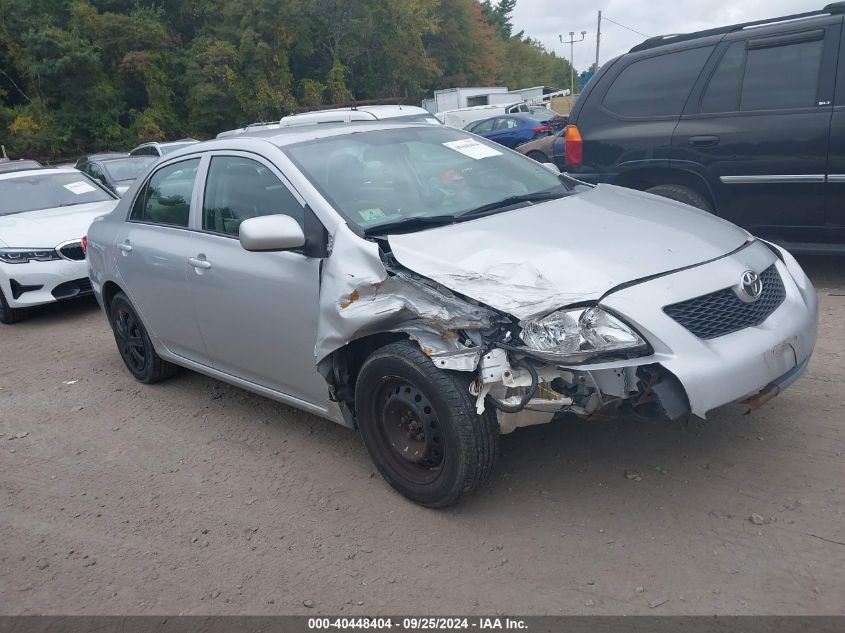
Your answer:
<point x="407" y="430"/>
<point x="135" y="347"/>
<point x="420" y="427"/>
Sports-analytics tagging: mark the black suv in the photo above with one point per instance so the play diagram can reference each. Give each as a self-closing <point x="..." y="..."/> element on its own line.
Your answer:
<point x="745" y="121"/>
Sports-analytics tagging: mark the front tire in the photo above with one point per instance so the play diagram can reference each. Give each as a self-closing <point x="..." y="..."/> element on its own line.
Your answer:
<point x="420" y="427"/>
<point x="10" y="315"/>
<point x="682" y="194"/>
<point x="540" y="157"/>
<point x="134" y="344"/>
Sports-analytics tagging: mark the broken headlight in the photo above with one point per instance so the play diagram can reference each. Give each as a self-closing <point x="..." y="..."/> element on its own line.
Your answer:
<point x="576" y="335"/>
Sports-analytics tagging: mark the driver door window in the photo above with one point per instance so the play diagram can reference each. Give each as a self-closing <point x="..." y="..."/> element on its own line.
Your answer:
<point x="240" y="188"/>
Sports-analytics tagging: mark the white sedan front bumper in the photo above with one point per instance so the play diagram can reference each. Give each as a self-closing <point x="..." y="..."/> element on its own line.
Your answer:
<point x="36" y="283"/>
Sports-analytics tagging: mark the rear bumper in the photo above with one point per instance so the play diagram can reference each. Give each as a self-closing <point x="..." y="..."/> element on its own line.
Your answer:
<point x="38" y="283"/>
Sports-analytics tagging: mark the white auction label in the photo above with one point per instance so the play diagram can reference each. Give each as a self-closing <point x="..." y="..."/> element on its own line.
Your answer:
<point x="80" y="187"/>
<point x="473" y="149"/>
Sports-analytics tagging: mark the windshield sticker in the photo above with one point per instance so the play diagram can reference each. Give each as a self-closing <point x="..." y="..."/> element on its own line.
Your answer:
<point x="473" y="149"/>
<point x="80" y="187"/>
<point x="370" y="215"/>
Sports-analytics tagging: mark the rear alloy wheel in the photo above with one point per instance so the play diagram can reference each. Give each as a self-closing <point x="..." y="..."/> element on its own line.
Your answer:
<point x="133" y="343"/>
<point x="540" y="157"/>
<point x="682" y="194"/>
<point x="420" y="426"/>
<point x="11" y="315"/>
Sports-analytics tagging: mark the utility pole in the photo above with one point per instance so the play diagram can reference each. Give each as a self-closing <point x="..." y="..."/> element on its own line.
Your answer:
<point x="598" y="42"/>
<point x="572" y="41"/>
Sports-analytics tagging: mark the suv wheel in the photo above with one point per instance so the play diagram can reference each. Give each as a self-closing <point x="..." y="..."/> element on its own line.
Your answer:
<point x="10" y="315"/>
<point x="420" y="426"/>
<point x="133" y="343"/>
<point x="682" y="194"/>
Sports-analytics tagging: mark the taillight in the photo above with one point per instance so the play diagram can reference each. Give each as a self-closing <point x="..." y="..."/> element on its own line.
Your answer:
<point x="541" y="128"/>
<point x="84" y="243"/>
<point x="574" y="145"/>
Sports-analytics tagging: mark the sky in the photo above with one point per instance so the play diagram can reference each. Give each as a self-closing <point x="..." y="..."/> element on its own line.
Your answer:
<point x="544" y="20"/>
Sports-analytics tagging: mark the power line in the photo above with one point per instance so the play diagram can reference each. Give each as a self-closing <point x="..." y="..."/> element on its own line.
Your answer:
<point x="604" y="17"/>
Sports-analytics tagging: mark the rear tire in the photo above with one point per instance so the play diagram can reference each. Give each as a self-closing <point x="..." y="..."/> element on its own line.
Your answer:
<point x="540" y="157"/>
<point x="682" y="194"/>
<point x="134" y="344"/>
<point x="420" y="426"/>
<point x="11" y="315"/>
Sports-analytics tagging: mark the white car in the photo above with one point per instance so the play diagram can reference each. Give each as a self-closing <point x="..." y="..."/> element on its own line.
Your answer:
<point x="395" y="113"/>
<point x="44" y="214"/>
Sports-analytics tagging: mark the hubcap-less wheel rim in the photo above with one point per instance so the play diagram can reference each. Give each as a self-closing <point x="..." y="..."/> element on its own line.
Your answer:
<point x="129" y="340"/>
<point x="409" y="431"/>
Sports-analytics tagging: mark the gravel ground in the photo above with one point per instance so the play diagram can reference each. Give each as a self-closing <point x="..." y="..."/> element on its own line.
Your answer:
<point x="195" y="497"/>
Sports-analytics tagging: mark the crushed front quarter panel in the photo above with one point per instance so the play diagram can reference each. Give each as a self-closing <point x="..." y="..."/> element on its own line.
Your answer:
<point x="359" y="297"/>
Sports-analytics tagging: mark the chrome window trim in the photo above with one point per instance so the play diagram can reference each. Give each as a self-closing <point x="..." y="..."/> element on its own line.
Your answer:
<point x="772" y="179"/>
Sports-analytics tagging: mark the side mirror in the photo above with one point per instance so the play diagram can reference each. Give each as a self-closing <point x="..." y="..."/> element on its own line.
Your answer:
<point x="271" y="233"/>
<point x="551" y="167"/>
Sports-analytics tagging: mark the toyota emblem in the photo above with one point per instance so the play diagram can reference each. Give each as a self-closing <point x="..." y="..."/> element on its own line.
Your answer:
<point x="750" y="286"/>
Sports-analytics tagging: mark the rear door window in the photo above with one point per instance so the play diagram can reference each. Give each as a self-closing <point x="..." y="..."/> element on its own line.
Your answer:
<point x="778" y="77"/>
<point x="722" y="93"/>
<point x="656" y="86"/>
<point x="166" y="196"/>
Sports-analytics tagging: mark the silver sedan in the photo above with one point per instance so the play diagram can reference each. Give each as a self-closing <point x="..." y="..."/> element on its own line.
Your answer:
<point x="436" y="290"/>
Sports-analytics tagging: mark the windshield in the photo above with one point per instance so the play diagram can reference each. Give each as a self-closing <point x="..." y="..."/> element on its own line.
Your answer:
<point x="127" y="168"/>
<point x="19" y="194"/>
<point x="388" y="176"/>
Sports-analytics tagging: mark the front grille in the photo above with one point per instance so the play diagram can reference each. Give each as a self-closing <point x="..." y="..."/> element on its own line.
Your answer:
<point x="723" y="312"/>
<point x="73" y="288"/>
<point x="72" y="251"/>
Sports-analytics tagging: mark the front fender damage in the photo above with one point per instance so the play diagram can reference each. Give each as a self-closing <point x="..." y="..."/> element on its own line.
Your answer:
<point x="365" y="296"/>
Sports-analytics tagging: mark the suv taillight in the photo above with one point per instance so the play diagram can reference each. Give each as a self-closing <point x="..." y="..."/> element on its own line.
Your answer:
<point x="84" y="243"/>
<point x="574" y="146"/>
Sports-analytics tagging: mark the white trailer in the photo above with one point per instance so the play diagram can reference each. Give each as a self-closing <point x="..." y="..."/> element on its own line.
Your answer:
<point x="454" y="98"/>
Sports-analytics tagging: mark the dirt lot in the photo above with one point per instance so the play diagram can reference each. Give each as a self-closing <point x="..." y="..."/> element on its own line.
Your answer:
<point x="195" y="497"/>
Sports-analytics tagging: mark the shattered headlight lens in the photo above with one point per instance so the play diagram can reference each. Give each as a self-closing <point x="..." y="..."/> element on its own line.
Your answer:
<point x="24" y="255"/>
<point x="575" y="335"/>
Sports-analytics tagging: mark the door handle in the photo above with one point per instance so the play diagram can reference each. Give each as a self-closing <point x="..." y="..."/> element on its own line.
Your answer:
<point x="125" y="247"/>
<point x="703" y="141"/>
<point x="199" y="263"/>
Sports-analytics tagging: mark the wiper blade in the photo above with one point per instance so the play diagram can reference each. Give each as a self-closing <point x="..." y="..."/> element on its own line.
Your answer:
<point x="511" y="201"/>
<point x="410" y="224"/>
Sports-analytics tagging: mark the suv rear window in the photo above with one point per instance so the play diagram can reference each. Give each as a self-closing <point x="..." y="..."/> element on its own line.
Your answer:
<point x="656" y="86"/>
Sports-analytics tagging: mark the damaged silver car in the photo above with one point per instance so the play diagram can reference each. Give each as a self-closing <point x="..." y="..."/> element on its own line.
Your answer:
<point x="436" y="290"/>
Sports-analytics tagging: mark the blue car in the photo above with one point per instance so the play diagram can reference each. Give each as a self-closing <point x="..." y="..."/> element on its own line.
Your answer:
<point x="510" y="130"/>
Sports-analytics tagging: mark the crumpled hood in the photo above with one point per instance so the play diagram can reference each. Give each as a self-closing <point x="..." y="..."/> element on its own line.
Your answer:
<point x="47" y="228"/>
<point x="536" y="259"/>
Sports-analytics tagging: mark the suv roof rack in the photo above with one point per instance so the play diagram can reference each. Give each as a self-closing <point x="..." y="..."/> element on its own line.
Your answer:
<point x="662" y="40"/>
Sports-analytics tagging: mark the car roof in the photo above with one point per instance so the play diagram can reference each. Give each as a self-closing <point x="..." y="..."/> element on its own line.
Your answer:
<point x="40" y="171"/>
<point x="662" y="40"/>
<point x="103" y="156"/>
<point x="161" y="143"/>
<point x="285" y="136"/>
<point x="18" y="165"/>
